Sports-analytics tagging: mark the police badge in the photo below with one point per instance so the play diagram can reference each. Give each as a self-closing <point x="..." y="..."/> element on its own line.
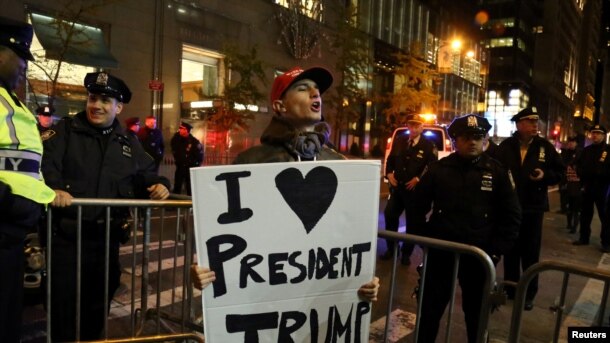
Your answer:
<point x="102" y="79"/>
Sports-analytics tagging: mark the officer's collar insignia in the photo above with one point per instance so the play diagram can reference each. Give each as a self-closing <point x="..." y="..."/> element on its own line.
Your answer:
<point x="472" y="121"/>
<point x="102" y="79"/>
<point x="107" y="131"/>
<point x="47" y="134"/>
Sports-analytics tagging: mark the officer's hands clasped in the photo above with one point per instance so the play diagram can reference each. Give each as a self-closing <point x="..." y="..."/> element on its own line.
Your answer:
<point x="158" y="192"/>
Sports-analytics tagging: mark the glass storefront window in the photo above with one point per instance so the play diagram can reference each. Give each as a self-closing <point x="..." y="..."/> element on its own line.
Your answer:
<point x="200" y="74"/>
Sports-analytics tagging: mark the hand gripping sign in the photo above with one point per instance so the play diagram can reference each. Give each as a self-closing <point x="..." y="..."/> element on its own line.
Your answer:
<point x="291" y="243"/>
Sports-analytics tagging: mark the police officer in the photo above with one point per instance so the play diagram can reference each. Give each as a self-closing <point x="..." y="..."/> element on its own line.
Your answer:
<point x="22" y="190"/>
<point x="593" y="168"/>
<point x="91" y="156"/>
<point x="534" y="164"/>
<point x="409" y="157"/>
<point x="473" y="201"/>
<point x="188" y="153"/>
<point x="45" y="118"/>
<point x="152" y="139"/>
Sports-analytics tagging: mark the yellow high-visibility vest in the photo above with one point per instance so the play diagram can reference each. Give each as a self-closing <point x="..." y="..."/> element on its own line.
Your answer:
<point x="21" y="151"/>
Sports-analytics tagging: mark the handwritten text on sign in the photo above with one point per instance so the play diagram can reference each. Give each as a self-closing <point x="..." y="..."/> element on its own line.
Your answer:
<point x="290" y="243"/>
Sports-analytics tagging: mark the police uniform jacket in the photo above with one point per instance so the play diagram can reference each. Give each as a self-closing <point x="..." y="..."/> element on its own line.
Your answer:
<point x="152" y="141"/>
<point x="188" y="152"/>
<point x="80" y="161"/>
<point x="20" y="160"/>
<point x="593" y="167"/>
<point x="409" y="162"/>
<point x="279" y="144"/>
<point x="472" y="201"/>
<point x="533" y="195"/>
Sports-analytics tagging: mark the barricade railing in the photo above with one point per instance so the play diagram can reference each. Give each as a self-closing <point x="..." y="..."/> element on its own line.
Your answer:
<point x="183" y="235"/>
<point x="567" y="269"/>
<point x="184" y="337"/>
<point x="458" y="249"/>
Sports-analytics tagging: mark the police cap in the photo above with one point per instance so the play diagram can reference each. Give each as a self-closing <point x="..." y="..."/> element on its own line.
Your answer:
<point x="416" y="118"/>
<point x="526" y="113"/>
<point x="186" y="126"/>
<point x="106" y="84"/>
<point x="46" y="111"/>
<point x="17" y="36"/>
<point x="598" y="128"/>
<point x="468" y="124"/>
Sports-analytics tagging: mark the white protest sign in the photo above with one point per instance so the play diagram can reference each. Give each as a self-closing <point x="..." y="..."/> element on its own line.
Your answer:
<point x="291" y="244"/>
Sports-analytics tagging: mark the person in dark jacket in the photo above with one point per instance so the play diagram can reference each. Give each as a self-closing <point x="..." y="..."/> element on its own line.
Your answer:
<point x="91" y="156"/>
<point x="593" y="168"/>
<point x="568" y="154"/>
<point x="408" y="160"/>
<point x="473" y="201"/>
<point x="152" y="140"/>
<point x="573" y="186"/>
<point x="188" y="153"/>
<point x="535" y="165"/>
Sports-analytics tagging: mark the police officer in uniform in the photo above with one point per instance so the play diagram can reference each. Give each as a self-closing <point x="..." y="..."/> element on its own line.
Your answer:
<point x="593" y="168"/>
<point x="535" y="165"/>
<point x="45" y="118"/>
<point x="22" y="190"/>
<point x="91" y="156"/>
<point x="409" y="157"/>
<point x="473" y="201"/>
<point x="188" y="153"/>
<point x="152" y="139"/>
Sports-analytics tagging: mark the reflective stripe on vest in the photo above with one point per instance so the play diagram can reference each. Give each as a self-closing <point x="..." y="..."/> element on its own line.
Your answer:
<point x="21" y="151"/>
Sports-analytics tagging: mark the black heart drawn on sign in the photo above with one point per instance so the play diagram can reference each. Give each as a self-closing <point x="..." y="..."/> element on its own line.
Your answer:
<point x="308" y="197"/>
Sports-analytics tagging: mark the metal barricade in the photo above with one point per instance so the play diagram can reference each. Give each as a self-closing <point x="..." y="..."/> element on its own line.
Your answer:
<point x="184" y="234"/>
<point x="458" y="250"/>
<point x="160" y="338"/>
<point x="567" y="269"/>
<point x="138" y="315"/>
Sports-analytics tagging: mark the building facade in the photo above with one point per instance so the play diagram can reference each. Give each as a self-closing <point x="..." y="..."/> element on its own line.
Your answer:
<point x="172" y="55"/>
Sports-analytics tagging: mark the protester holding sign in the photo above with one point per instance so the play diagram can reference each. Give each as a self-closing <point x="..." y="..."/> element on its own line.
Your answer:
<point x="473" y="201"/>
<point x="295" y="133"/>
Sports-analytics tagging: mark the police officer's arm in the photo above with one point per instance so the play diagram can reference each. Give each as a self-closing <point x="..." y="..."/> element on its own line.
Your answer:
<point x="424" y="195"/>
<point x="161" y="144"/>
<point x="555" y="169"/>
<point x="54" y="143"/>
<point x="198" y="151"/>
<point x="431" y="156"/>
<point x="5" y="192"/>
<point x="507" y="214"/>
<point x="390" y="164"/>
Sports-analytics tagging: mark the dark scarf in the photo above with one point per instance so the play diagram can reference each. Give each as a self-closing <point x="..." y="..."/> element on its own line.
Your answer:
<point x="306" y="145"/>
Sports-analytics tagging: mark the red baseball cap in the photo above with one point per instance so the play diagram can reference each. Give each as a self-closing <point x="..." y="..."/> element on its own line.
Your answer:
<point x="322" y="77"/>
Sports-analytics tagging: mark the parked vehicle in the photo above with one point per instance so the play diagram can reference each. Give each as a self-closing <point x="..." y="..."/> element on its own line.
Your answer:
<point x="433" y="132"/>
